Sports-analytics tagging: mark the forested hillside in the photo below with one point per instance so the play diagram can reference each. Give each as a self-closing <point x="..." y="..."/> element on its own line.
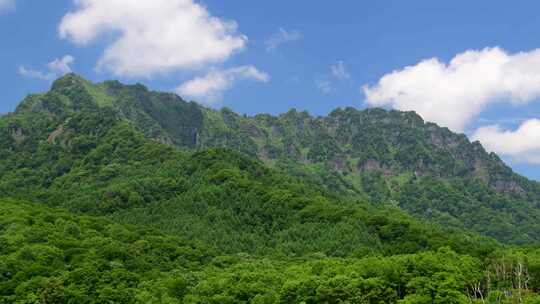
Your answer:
<point x="97" y="163"/>
<point x="115" y="194"/>
<point x="380" y="156"/>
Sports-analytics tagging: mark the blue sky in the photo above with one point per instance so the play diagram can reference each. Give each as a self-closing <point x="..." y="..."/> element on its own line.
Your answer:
<point x="310" y="55"/>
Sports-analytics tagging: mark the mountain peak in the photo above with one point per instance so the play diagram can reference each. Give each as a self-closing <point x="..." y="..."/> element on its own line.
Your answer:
<point x="68" y="79"/>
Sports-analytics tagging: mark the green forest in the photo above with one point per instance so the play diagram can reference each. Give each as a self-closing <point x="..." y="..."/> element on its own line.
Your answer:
<point x="113" y="193"/>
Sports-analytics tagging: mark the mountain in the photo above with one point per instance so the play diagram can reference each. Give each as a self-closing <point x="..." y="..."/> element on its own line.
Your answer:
<point x="386" y="157"/>
<point x="348" y="140"/>
<point x="112" y="193"/>
<point x="66" y="150"/>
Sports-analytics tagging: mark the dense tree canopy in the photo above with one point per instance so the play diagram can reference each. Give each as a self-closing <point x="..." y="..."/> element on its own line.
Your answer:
<point x="53" y="256"/>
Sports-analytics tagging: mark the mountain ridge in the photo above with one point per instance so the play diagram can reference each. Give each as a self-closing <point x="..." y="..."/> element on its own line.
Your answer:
<point x="379" y="155"/>
<point x="195" y="132"/>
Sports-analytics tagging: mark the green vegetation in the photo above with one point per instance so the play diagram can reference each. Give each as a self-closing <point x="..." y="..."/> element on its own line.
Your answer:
<point x="52" y="256"/>
<point x="116" y="194"/>
<point x="371" y="153"/>
<point x="218" y="196"/>
<point x="393" y="156"/>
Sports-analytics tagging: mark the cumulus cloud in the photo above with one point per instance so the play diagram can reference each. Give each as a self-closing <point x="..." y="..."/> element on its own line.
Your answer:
<point x="340" y="71"/>
<point x="152" y="36"/>
<point x="281" y="37"/>
<point x="209" y="89"/>
<point x="61" y="66"/>
<point x="55" y="69"/>
<point x="522" y="144"/>
<point x="6" y="5"/>
<point x="454" y="94"/>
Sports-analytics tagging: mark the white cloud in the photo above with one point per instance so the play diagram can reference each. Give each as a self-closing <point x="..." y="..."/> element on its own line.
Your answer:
<point x="340" y="71"/>
<point x="55" y="69"/>
<point x="152" y="36"/>
<point x="453" y="94"/>
<point x="522" y="144"/>
<point x="282" y="36"/>
<point x="30" y="73"/>
<point x="61" y="66"/>
<point x="209" y="89"/>
<point x="6" y="5"/>
<point x="324" y="86"/>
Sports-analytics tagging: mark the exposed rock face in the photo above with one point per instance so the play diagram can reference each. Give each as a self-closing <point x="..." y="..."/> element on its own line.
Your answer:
<point x="252" y="130"/>
<point x="340" y="164"/>
<point x="437" y="140"/>
<point x="17" y="134"/>
<point x="372" y="165"/>
<point x="508" y="186"/>
<point x="55" y="134"/>
<point x="481" y="171"/>
<point x="164" y="140"/>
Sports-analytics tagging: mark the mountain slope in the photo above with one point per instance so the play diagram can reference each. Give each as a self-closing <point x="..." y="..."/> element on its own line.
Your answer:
<point x="347" y="139"/>
<point x="373" y="155"/>
<point x="95" y="162"/>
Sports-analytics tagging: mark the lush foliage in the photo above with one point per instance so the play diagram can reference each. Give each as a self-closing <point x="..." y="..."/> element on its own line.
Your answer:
<point x="52" y="256"/>
<point x="394" y="156"/>
<point x="375" y="154"/>
<point x="115" y="194"/>
<point x="218" y="196"/>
